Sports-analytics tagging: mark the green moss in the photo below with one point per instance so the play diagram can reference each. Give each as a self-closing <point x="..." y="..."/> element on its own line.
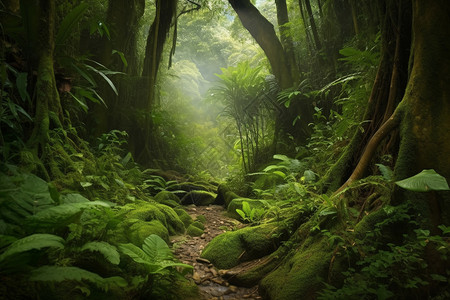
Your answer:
<point x="301" y="275"/>
<point x="184" y="216"/>
<point x="224" y="195"/>
<point x="368" y="222"/>
<point x="140" y="230"/>
<point x="146" y="212"/>
<point x="166" y="196"/>
<point x="174" y="223"/>
<point x="224" y="250"/>
<point x="199" y="198"/>
<point x="237" y="204"/>
<point x="201" y="218"/>
<point x="193" y="230"/>
<point x="231" y="248"/>
<point x="198" y="225"/>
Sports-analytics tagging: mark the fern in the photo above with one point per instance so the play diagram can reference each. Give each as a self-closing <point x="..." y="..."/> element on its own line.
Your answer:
<point x="155" y="255"/>
<point x="60" y="274"/>
<point x="61" y="215"/>
<point x="107" y="250"/>
<point x="32" y="242"/>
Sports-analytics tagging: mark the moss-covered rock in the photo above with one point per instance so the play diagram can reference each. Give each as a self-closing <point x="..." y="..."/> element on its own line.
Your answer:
<point x="224" y="195"/>
<point x="167" y="198"/>
<point x="184" y="216"/>
<point x="224" y="250"/>
<point x="231" y="248"/>
<point x="174" y="223"/>
<point x="199" y="198"/>
<point x="237" y="204"/>
<point x="198" y="225"/>
<point x="201" y="218"/>
<point x="145" y="211"/>
<point x="301" y="275"/>
<point x="193" y="230"/>
<point x="140" y="230"/>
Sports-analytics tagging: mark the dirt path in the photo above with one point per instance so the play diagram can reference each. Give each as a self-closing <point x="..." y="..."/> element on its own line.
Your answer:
<point x="188" y="249"/>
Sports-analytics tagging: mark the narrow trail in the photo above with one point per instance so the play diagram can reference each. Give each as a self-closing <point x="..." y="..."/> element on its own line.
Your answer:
<point x="188" y="249"/>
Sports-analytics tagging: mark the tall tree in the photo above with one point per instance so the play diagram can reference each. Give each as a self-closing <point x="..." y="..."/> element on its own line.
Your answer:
<point x="286" y="36"/>
<point x="264" y="34"/>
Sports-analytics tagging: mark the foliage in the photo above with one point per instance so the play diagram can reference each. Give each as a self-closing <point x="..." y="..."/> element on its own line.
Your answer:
<point x="252" y="215"/>
<point x="155" y="255"/>
<point x="62" y="273"/>
<point x="241" y="91"/>
<point x="382" y="268"/>
<point x="427" y="180"/>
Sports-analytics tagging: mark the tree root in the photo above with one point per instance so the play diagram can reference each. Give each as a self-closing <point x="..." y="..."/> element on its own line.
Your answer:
<point x="370" y="149"/>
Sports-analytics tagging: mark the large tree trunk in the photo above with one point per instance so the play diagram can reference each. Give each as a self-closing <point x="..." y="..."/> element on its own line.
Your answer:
<point x="264" y="34"/>
<point x="425" y="109"/>
<point x="387" y="91"/>
<point x="48" y="106"/>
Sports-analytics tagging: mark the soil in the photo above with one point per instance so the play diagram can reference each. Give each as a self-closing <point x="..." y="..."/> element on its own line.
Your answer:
<point x="212" y="285"/>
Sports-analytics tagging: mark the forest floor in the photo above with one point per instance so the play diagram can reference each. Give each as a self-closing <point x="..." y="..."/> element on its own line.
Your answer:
<point x="188" y="249"/>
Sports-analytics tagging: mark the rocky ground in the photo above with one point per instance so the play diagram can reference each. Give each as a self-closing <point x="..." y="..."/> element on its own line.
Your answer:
<point x="188" y="249"/>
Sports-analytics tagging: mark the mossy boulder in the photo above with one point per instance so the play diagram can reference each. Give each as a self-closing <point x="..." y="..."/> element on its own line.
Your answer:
<point x="140" y="230"/>
<point x="174" y="223"/>
<point x="199" y="198"/>
<point x="198" y="225"/>
<point x="145" y="211"/>
<point x="184" y="216"/>
<point x="167" y="198"/>
<point x="193" y="230"/>
<point x="237" y="204"/>
<point x="224" y="195"/>
<point x="201" y="218"/>
<point x="301" y="275"/>
<point x="231" y="248"/>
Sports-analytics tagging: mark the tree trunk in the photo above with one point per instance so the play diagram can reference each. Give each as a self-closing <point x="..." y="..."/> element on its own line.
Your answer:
<point x="285" y="37"/>
<point x="387" y="91"/>
<point x="312" y="22"/>
<point x="425" y="109"/>
<point x="48" y="106"/>
<point x="264" y="34"/>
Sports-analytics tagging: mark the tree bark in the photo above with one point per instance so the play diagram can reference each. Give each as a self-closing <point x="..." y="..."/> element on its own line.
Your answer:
<point x="264" y="34"/>
<point x="285" y="37"/>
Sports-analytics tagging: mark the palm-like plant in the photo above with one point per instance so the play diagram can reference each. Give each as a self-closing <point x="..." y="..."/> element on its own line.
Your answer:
<point x="242" y="91"/>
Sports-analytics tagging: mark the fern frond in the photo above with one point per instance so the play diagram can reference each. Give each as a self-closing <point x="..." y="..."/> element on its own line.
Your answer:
<point x="59" y="274"/>
<point x="107" y="250"/>
<point x="32" y="242"/>
<point x="61" y="215"/>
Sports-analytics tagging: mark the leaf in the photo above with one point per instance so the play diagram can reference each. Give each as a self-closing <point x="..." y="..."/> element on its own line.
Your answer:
<point x="79" y="101"/>
<point x="241" y="213"/>
<point x="386" y="172"/>
<point x="61" y="215"/>
<point x="60" y="274"/>
<point x="67" y="25"/>
<point x="156" y="248"/>
<point x="309" y="176"/>
<point x="427" y="180"/>
<point x="281" y="157"/>
<point x="107" y="250"/>
<point x="136" y="253"/>
<point x="246" y="208"/>
<point x="102" y="74"/>
<point x="33" y="242"/>
<point x="122" y="57"/>
<point x="21" y="83"/>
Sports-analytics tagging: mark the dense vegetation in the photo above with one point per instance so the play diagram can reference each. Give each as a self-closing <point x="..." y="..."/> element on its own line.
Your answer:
<point x="322" y="125"/>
